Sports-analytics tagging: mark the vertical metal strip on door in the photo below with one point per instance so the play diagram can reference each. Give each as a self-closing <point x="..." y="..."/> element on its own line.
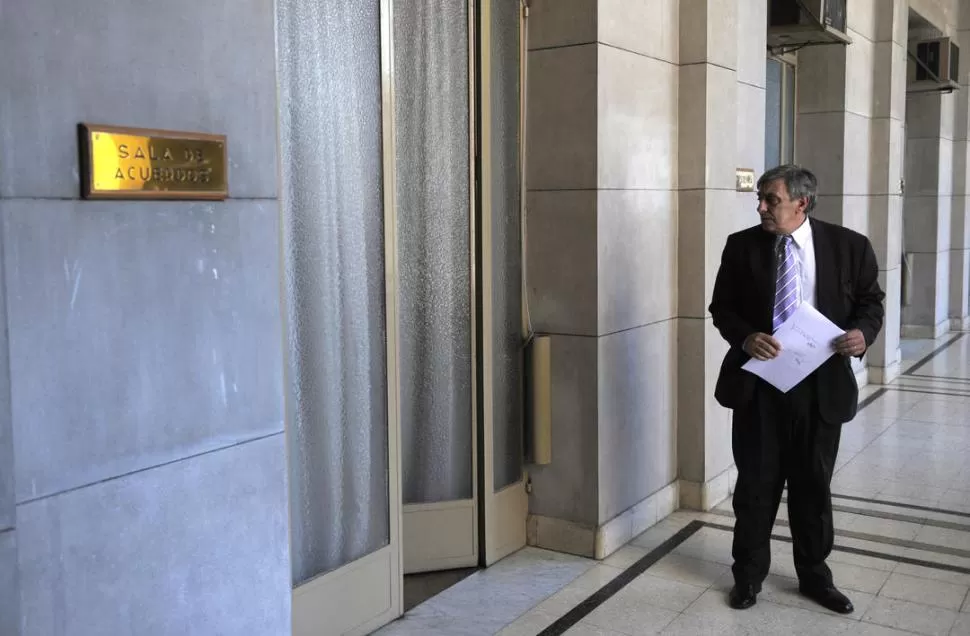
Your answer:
<point x="503" y="501"/>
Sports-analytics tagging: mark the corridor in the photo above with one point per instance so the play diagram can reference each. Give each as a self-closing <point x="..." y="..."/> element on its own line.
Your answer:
<point x="902" y="499"/>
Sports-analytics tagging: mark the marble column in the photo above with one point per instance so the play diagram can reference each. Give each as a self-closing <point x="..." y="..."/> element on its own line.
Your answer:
<point x="602" y="265"/>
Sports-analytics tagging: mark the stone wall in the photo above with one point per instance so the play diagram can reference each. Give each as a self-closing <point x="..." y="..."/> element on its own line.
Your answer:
<point x="142" y="462"/>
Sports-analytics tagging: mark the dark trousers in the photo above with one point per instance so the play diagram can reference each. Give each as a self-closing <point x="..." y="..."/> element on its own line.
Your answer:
<point x="781" y="437"/>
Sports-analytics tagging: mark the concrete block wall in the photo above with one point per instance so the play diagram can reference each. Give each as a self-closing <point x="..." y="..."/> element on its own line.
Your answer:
<point x="142" y="462"/>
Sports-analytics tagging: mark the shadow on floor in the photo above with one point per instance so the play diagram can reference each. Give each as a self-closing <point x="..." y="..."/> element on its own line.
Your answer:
<point x="420" y="587"/>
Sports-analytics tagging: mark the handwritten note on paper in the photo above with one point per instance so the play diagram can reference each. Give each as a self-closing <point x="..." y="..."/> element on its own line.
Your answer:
<point x="806" y="342"/>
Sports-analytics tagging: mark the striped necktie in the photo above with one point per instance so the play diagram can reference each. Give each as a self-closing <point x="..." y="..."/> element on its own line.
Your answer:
<point x="786" y="287"/>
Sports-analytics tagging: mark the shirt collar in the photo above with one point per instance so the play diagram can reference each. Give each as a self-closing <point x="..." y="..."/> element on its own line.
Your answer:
<point x="803" y="235"/>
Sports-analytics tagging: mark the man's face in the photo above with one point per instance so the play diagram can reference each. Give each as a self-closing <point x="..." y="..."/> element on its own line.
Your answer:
<point x="779" y="213"/>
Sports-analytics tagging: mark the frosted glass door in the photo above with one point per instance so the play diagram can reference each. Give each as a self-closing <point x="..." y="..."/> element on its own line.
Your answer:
<point x="344" y="499"/>
<point x="434" y="247"/>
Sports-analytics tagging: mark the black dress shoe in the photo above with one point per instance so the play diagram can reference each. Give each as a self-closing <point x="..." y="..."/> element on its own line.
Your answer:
<point x="829" y="598"/>
<point x="743" y="596"/>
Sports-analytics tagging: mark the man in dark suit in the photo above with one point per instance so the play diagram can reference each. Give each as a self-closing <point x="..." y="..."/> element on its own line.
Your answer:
<point x="766" y="272"/>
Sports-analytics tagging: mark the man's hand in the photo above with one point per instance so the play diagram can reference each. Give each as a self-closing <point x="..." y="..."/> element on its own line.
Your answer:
<point x="761" y="346"/>
<point x="851" y="343"/>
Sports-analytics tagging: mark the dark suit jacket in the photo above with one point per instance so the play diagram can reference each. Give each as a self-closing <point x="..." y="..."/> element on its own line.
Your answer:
<point x="847" y="291"/>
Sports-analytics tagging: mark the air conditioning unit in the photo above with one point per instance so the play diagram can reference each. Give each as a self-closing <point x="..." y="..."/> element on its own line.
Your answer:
<point x="936" y="66"/>
<point x="802" y="22"/>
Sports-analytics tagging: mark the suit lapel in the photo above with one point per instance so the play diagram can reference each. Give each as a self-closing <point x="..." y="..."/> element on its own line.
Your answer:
<point x="764" y="273"/>
<point x="825" y="274"/>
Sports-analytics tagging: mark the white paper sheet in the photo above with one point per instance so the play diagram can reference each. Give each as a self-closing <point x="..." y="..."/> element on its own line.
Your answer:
<point x="807" y="341"/>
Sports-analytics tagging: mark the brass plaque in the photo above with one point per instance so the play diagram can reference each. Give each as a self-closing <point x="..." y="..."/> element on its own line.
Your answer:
<point x="137" y="163"/>
<point x="744" y="179"/>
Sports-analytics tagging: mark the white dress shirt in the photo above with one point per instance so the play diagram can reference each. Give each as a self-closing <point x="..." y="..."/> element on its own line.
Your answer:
<point x="804" y="249"/>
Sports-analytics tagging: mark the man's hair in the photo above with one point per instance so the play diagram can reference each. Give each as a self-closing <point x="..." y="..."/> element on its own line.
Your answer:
<point x="798" y="181"/>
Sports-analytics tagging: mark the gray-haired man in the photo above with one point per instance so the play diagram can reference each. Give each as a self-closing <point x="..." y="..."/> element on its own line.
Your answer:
<point x="766" y="272"/>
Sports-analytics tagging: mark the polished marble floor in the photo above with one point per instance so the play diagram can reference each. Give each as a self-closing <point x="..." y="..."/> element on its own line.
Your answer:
<point x="902" y="500"/>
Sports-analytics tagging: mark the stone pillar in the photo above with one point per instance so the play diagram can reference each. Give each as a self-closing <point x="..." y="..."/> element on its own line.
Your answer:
<point x="959" y="222"/>
<point x="850" y="133"/>
<point x="886" y="202"/>
<point x="720" y="102"/>
<point x="602" y="265"/>
<point x="926" y="213"/>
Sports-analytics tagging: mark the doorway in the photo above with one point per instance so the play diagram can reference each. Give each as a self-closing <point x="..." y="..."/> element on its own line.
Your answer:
<point x="458" y="194"/>
<point x="401" y="200"/>
<point x="435" y="238"/>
